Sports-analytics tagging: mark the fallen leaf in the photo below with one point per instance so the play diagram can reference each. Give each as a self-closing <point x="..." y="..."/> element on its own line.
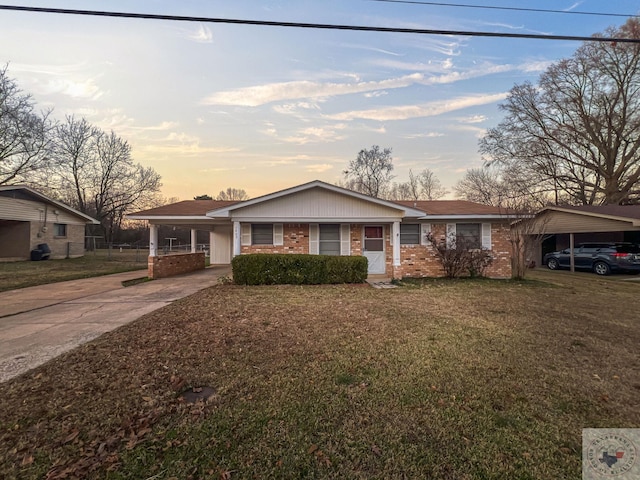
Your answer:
<point x="27" y="460"/>
<point x="71" y="437"/>
<point x="375" y="449"/>
<point x="312" y="448"/>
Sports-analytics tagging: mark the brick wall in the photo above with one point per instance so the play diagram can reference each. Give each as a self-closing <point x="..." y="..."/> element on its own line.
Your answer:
<point x="176" y="264"/>
<point x="420" y="260"/>
<point x="501" y="250"/>
<point x="416" y="260"/>
<point x="296" y="240"/>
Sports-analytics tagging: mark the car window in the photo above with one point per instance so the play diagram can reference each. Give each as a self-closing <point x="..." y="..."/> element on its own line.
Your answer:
<point x="628" y="248"/>
<point x="589" y="249"/>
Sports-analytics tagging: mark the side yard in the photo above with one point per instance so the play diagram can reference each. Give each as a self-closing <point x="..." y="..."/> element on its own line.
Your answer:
<point x="101" y="262"/>
<point x="437" y="379"/>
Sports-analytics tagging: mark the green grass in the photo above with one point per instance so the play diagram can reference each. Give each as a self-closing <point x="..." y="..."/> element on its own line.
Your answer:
<point x="448" y="380"/>
<point x="15" y="275"/>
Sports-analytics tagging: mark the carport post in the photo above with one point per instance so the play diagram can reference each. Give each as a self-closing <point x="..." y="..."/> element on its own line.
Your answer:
<point x="153" y="240"/>
<point x="572" y="256"/>
<point x="194" y="240"/>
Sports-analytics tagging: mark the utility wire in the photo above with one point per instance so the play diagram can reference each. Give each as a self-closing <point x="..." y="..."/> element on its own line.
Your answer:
<point x="513" y="9"/>
<point x="148" y="16"/>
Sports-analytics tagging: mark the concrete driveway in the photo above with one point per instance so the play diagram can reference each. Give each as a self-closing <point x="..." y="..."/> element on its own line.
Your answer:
<point x="39" y="323"/>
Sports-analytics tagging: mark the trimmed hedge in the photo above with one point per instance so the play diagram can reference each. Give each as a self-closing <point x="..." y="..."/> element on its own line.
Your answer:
<point x="297" y="269"/>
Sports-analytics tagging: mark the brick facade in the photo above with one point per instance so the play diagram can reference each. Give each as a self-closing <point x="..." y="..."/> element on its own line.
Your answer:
<point x="176" y="264"/>
<point x="296" y="240"/>
<point x="415" y="260"/>
<point x="420" y="261"/>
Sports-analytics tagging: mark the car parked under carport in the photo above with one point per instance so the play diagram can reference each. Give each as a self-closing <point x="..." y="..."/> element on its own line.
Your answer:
<point x="601" y="258"/>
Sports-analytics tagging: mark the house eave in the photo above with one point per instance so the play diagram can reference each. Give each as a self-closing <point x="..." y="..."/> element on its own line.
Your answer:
<point x="51" y="201"/>
<point x="228" y="211"/>
<point x="480" y="217"/>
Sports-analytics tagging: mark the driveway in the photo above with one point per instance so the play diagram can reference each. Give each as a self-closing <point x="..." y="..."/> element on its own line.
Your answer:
<point x="39" y="323"/>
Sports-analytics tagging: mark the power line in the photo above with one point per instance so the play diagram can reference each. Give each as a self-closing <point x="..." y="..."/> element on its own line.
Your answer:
<point x="421" y="31"/>
<point x="515" y="9"/>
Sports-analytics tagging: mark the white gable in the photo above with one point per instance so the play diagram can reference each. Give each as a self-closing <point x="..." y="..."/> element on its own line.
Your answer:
<point x="319" y="205"/>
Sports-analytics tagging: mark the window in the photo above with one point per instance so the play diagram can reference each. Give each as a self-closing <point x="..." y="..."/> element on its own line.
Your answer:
<point x="373" y="239"/>
<point x="329" y="239"/>
<point x="409" y="234"/>
<point x="261" y="234"/>
<point x="468" y="235"/>
<point x="59" y="229"/>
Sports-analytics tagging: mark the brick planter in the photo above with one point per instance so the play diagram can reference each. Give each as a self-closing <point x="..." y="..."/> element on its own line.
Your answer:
<point x="176" y="264"/>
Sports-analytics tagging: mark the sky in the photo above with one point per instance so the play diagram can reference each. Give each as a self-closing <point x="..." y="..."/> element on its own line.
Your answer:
<point x="211" y="105"/>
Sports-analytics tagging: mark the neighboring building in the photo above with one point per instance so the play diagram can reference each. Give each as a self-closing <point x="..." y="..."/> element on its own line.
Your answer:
<point x="564" y="227"/>
<point x="319" y="218"/>
<point x="29" y="218"/>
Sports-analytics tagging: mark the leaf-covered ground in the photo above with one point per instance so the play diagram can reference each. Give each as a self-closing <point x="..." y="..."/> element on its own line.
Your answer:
<point x="441" y="379"/>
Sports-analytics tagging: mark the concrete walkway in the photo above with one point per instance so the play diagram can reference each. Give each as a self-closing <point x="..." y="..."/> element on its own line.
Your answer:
<point x="39" y="323"/>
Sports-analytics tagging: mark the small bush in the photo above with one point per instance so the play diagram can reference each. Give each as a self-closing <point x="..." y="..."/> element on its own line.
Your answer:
<point x="297" y="269"/>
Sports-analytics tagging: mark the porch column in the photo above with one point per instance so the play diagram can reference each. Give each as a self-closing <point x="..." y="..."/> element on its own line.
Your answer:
<point x="194" y="240"/>
<point x="211" y="242"/>
<point x="237" y="237"/>
<point x="153" y="240"/>
<point x="395" y="231"/>
<point x="572" y="258"/>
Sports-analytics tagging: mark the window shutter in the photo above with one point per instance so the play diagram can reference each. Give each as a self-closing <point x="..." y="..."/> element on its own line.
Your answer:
<point x="245" y="234"/>
<point x="451" y="235"/>
<point x="314" y="237"/>
<point x="345" y="239"/>
<point x="425" y="230"/>
<point x="486" y="236"/>
<point x="278" y="234"/>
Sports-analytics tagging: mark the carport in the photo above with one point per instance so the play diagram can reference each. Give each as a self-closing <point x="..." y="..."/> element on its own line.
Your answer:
<point x="563" y="227"/>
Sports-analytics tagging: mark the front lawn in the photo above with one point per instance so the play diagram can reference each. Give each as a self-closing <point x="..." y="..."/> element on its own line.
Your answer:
<point x="470" y="379"/>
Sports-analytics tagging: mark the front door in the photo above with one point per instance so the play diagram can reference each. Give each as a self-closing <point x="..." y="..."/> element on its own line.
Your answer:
<point x="374" y="248"/>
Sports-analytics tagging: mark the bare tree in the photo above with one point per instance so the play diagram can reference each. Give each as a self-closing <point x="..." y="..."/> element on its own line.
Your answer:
<point x="370" y="171"/>
<point x="400" y="191"/>
<point x="578" y="130"/>
<point x="24" y="133"/>
<point x="233" y="194"/>
<point x="480" y="185"/>
<point x="430" y="187"/>
<point x="94" y="172"/>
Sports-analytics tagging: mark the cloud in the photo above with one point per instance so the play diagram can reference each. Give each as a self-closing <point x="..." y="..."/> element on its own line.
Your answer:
<point x="263" y="94"/>
<point x="573" y="7"/>
<point x="476" y="131"/>
<point x="411" y="136"/>
<point x="369" y="48"/>
<point x="376" y="94"/>
<point x="201" y="35"/>
<point x="319" y="167"/>
<point x="405" y="112"/>
<point x="473" y="119"/>
<point x="65" y="80"/>
<point x="535" y="66"/>
<point x="275" y="92"/>
<point x="295" y="108"/>
<point x="317" y="135"/>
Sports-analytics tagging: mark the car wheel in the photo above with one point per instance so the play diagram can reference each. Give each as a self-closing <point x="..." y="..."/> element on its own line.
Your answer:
<point x="601" y="268"/>
<point x="552" y="264"/>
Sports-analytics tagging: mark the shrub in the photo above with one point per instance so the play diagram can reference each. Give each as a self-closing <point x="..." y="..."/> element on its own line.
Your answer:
<point x="458" y="257"/>
<point x="297" y="269"/>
